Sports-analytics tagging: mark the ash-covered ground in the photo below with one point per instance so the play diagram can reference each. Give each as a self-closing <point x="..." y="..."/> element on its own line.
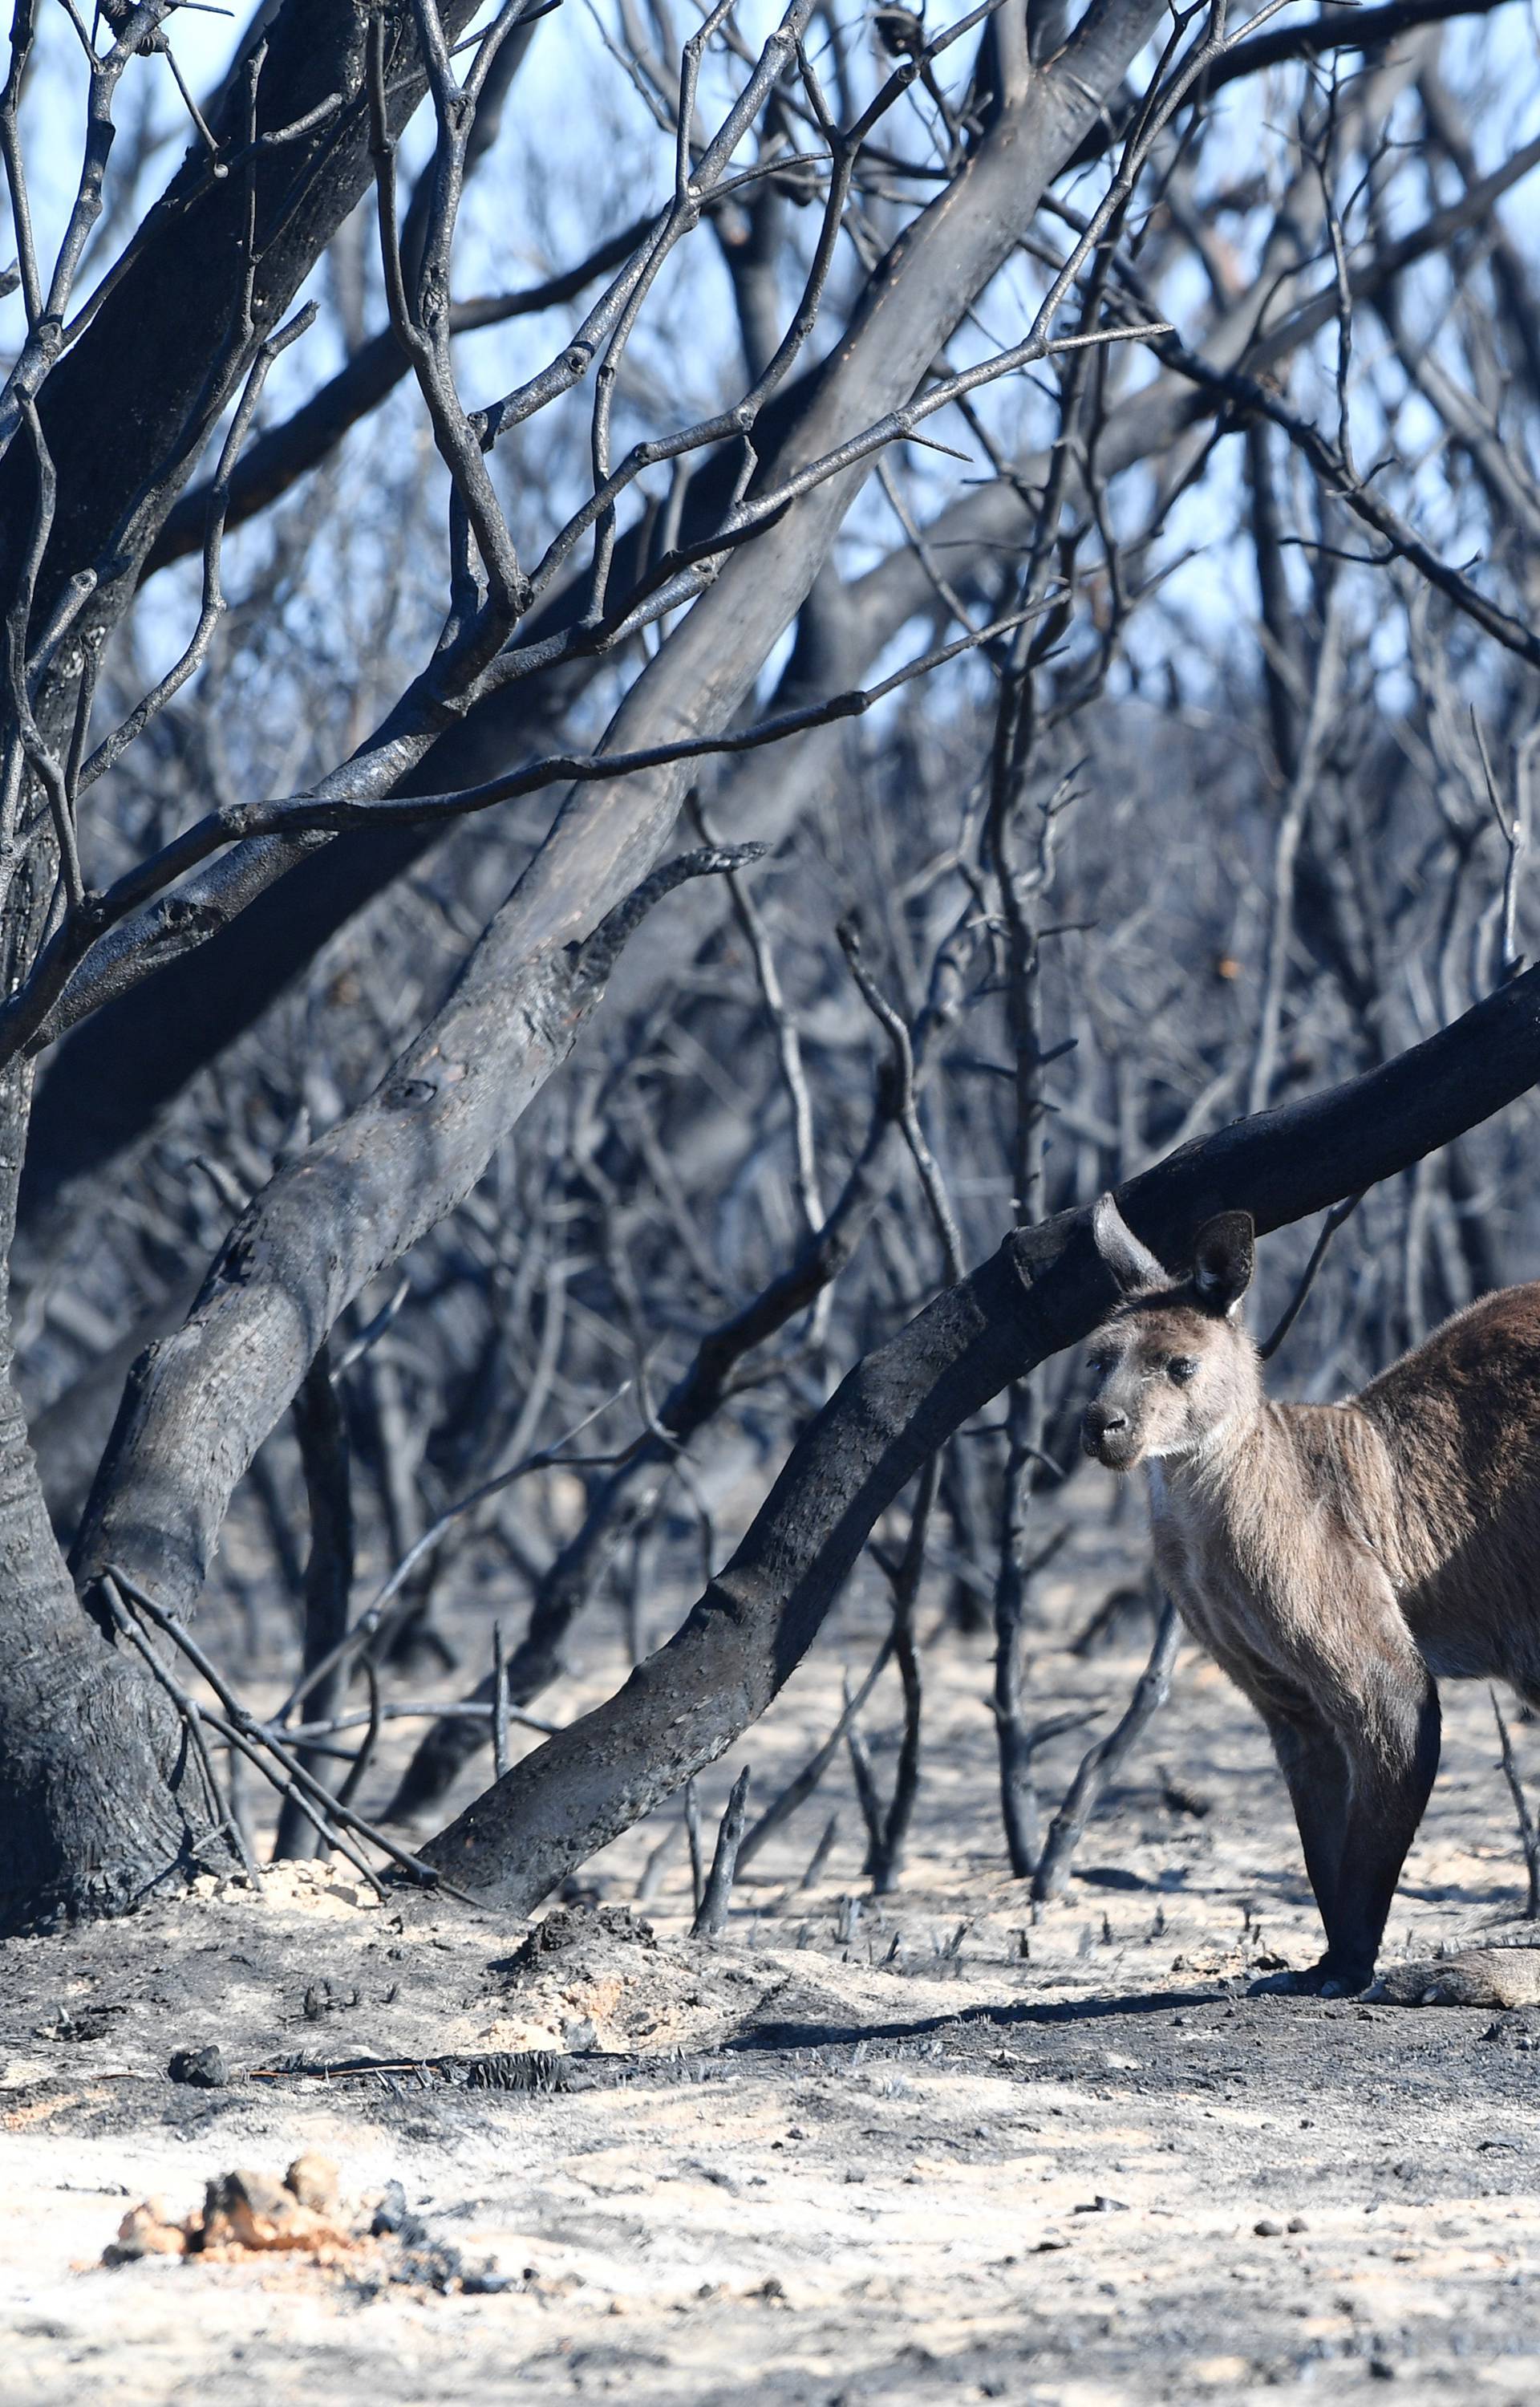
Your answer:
<point x="922" y="2149"/>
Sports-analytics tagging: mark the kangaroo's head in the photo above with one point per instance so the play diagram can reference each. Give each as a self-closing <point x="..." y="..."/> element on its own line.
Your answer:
<point x="1173" y="1367"/>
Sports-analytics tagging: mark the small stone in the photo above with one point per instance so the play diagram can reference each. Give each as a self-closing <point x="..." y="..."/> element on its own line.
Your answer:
<point x="248" y="2192"/>
<point x="199" y="2068"/>
<point x="314" y="2180"/>
<point x="1297" y="2223"/>
<point x="147" y="2230"/>
<point x="1265" y="2229"/>
<point x="1381" y="2369"/>
<point x="392" y="2218"/>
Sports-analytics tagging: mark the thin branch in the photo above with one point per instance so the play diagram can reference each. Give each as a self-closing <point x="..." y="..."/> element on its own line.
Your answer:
<point x="257" y="1741"/>
<point x="1103" y="1760"/>
<point x="1336" y="1217"/>
<point x="904" y="1104"/>
<point x="192" y="1714"/>
<point x="63" y="974"/>
<point x="1528" y="1834"/>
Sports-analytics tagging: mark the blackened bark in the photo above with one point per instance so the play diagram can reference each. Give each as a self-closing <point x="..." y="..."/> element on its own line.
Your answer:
<point x="126" y="412"/>
<point x="101" y="1799"/>
<point x="101" y="1091"/>
<point x="1046" y="1289"/>
<point x="128" y="406"/>
<point x="106" y="1082"/>
<point x="322" y="1435"/>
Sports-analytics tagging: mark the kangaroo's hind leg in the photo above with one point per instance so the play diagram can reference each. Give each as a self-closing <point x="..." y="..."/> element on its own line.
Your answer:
<point x="1393" y="1759"/>
<point x="1357" y="1734"/>
<point x="1315" y="1763"/>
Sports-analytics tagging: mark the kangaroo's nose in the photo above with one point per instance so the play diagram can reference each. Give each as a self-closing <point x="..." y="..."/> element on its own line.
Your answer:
<point x="1102" y="1419"/>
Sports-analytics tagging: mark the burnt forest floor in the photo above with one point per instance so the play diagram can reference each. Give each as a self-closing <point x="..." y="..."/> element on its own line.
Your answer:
<point x="921" y="2148"/>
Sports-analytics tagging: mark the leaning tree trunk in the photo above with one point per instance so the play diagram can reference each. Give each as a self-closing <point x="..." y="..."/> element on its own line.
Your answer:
<point x="102" y="1797"/>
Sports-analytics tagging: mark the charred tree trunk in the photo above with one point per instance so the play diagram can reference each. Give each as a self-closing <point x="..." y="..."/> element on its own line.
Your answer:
<point x="322" y="1433"/>
<point x="100" y="1799"/>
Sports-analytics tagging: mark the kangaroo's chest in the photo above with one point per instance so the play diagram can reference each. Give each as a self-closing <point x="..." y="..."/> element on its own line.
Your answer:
<point x="1240" y="1599"/>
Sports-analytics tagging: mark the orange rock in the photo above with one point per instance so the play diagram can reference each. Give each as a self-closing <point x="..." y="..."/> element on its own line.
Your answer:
<point x="147" y="2231"/>
<point x="250" y="2209"/>
<point x="315" y="2180"/>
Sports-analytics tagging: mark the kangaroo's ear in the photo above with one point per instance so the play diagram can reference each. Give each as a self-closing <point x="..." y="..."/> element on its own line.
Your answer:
<point x="1222" y="1260"/>
<point x="1132" y="1265"/>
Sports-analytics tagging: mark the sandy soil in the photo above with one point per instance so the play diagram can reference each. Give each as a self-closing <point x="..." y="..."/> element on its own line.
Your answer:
<point x="928" y="2149"/>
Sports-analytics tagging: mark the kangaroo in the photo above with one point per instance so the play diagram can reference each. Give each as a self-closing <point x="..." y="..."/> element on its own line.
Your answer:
<point x="1337" y="1560"/>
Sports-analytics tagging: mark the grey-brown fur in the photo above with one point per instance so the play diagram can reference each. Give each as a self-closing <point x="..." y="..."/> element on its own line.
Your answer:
<point x="1336" y="1560"/>
<point x="1504" y="1978"/>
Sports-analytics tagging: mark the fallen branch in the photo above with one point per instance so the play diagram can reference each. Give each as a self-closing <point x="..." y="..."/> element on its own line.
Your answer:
<point x="333" y="1817"/>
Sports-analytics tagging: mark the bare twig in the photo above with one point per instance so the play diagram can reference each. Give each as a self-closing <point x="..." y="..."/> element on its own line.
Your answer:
<point x="800" y="1788"/>
<point x="281" y="1768"/>
<point x="1529" y="1833"/>
<point x="1103" y="1760"/>
<point x="821" y="1854"/>
<point x="710" y="1916"/>
<point x="499" y="1705"/>
<point x="692" y="1827"/>
<point x="904" y="1580"/>
<point x="1334" y="1220"/>
<point x="187" y="1705"/>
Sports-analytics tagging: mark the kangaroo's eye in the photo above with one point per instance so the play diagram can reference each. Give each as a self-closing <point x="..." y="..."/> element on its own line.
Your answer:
<point x="1099" y="1364"/>
<point x="1181" y="1368"/>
